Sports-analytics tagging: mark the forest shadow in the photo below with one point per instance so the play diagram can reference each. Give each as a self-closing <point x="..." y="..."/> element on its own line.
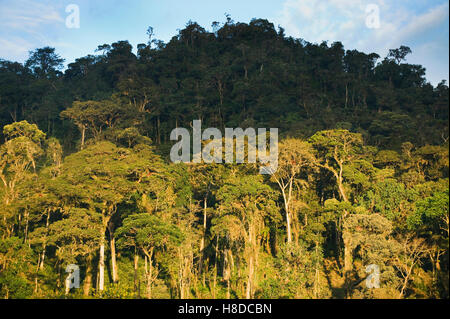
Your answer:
<point x="334" y="280"/>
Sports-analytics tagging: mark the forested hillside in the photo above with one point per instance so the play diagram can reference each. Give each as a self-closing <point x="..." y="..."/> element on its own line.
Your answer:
<point x="363" y="174"/>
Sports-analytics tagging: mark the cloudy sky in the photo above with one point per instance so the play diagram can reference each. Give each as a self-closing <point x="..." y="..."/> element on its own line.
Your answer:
<point x="423" y="25"/>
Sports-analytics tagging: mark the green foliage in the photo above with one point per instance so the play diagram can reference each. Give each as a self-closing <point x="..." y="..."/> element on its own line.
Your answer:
<point x="85" y="176"/>
<point x="24" y="129"/>
<point x="145" y="230"/>
<point x="433" y="210"/>
<point x="15" y="263"/>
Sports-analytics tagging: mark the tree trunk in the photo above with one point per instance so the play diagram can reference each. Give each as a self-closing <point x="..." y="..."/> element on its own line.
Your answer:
<point x="342" y="191"/>
<point x="88" y="278"/>
<point x="316" y="277"/>
<point x="288" y="220"/>
<point x="44" y="245"/>
<point x="252" y="261"/>
<point x="101" y="264"/>
<point x="115" y="276"/>
<point x="83" y="135"/>
<point x="203" y="240"/>
<point x="136" y="288"/>
<point x="438" y="263"/>
<point x="227" y="270"/>
<point x="347" y="254"/>
<point x="341" y="184"/>
<point x="215" y="269"/>
<point x="149" y="273"/>
<point x="248" y="293"/>
<point x="348" y="260"/>
<point x="26" y="227"/>
<point x="149" y="280"/>
<point x="405" y="282"/>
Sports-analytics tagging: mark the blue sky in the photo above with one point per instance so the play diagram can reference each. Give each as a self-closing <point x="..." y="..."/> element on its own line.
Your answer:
<point x="422" y="25"/>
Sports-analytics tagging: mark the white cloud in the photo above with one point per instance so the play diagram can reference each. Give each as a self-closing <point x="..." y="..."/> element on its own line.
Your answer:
<point x="316" y="20"/>
<point x="14" y="48"/>
<point x="421" y="23"/>
<point x="26" y="25"/>
<point x="344" y="20"/>
<point x="402" y="26"/>
<point x="26" y="15"/>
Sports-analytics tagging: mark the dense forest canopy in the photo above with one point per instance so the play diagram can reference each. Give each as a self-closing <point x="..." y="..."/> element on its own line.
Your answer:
<point x="85" y="176"/>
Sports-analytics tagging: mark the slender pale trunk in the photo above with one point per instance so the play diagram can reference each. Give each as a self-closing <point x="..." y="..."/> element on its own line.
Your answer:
<point x="342" y="191"/>
<point x="288" y="219"/>
<point x="287" y="199"/>
<point x="149" y="272"/>
<point x="405" y="281"/>
<point x="248" y="293"/>
<point x="438" y="264"/>
<point x="149" y="281"/>
<point x="26" y="226"/>
<point x="202" y="242"/>
<point x="348" y="249"/>
<point x="44" y="245"/>
<point x="228" y="281"/>
<point x="83" y="135"/>
<point x="115" y="276"/>
<point x="252" y="261"/>
<point x="348" y="246"/>
<point x="206" y="270"/>
<point x="340" y="182"/>
<point x="101" y="264"/>
<point x="182" y="275"/>
<point x="36" y="284"/>
<point x="136" y="261"/>
<point x="227" y="270"/>
<point x="316" y="279"/>
<point x="215" y="269"/>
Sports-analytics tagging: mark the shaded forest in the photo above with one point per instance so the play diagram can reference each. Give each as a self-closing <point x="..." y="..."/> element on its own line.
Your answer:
<point x="86" y="179"/>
